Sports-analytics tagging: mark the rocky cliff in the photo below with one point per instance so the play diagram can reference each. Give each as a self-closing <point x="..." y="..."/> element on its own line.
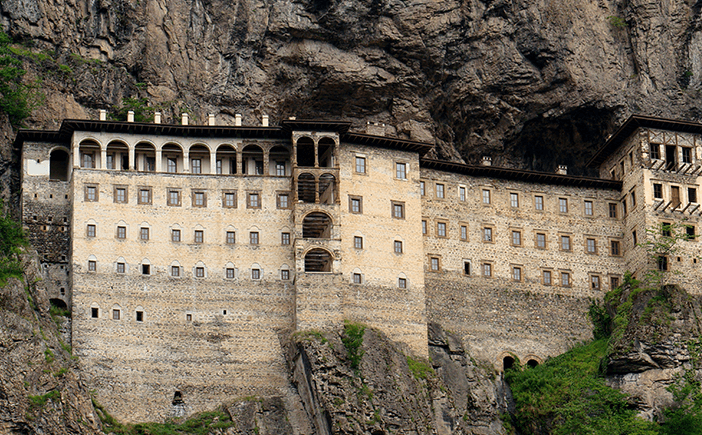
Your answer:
<point x="533" y="83"/>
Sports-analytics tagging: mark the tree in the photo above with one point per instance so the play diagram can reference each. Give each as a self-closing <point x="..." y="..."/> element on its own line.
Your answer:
<point x="17" y="100"/>
<point x="12" y="240"/>
<point x="140" y="107"/>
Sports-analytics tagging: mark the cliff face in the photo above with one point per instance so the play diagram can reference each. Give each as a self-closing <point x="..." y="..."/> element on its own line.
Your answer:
<point x="533" y="83"/>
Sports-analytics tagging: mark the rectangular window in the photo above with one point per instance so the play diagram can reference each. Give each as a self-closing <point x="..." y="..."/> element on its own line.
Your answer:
<point x="424" y="227"/>
<point x="487" y="269"/>
<point x="283" y="200"/>
<point x="92" y="265"/>
<point x="565" y="279"/>
<point x="690" y="232"/>
<point x="466" y="268"/>
<point x="218" y="167"/>
<point x="358" y="242"/>
<point x="516" y="238"/>
<point x="434" y="263"/>
<point x="402" y="282"/>
<point x="355" y="204"/>
<point x="356" y="278"/>
<point x="541" y="240"/>
<point x="401" y="171"/>
<point x="686" y="155"/>
<point x="360" y="165"/>
<point x="615" y="248"/>
<point x="110" y="163"/>
<point x="516" y="273"/>
<point x="115" y="314"/>
<point x="539" y="202"/>
<point x="614" y="282"/>
<point x="121" y="232"/>
<point x="120" y="267"/>
<point x="398" y="210"/>
<point x="613" y="210"/>
<point x="633" y="238"/>
<point x="91" y="193"/>
<point x="588" y="208"/>
<point x="657" y="191"/>
<point x="422" y="188"/>
<point x="172" y="165"/>
<point x="229" y="273"/>
<point x="486" y="196"/>
<point x="662" y="263"/>
<point x="231" y="237"/>
<point x="139" y="316"/>
<point x="196" y="166"/>
<point x="280" y="168"/>
<point x="691" y="194"/>
<point x="440" y="190"/>
<point x="563" y="205"/>
<point x="88" y="160"/>
<point x="199" y="199"/>
<point x="546" y="277"/>
<point x="591" y="246"/>
<point x="284" y="238"/>
<point x="200" y="272"/>
<point x="229" y="199"/>
<point x="595" y="282"/>
<point x="633" y="200"/>
<point x="675" y="196"/>
<point x="487" y="234"/>
<point x="461" y="193"/>
<point x="91" y="230"/>
<point x="145" y="269"/>
<point x="565" y="243"/>
<point x="398" y="247"/>
<point x="514" y="200"/>
<point x="121" y="195"/>
<point x="144" y="234"/>
<point x="253" y="237"/>
<point x="174" y="197"/>
<point x="655" y="151"/>
<point x="285" y="275"/>
<point x="144" y="196"/>
<point x="94" y="313"/>
<point x="254" y="200"/>
<point x="175" y="271"/>
<point x="175" y="235"/>
<point x="464" y="232"/>
<point x="441" y="229"/>
<point x="624" y="206"/>
<point x="188" y="317"/>
<point x="199" y="236"/>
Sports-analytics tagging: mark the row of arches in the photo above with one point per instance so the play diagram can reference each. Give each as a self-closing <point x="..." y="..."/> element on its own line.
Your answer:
<point x="316" y="189"/>
<point x="320" y="153"/>
<point x="509" y="361"/>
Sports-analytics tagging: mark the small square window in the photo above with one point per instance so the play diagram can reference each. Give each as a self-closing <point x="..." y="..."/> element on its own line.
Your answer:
<point x="189" y="317"/>
<point x="144" y="233"/>
<point x="121" y="195"/>
<point x="657" y="191"/>
<point x="360" y="165"/>
<point x="229" y="199"/>
<point x="144" y="196"/>
<point x="563" y="205"/>
<point x="595" y="282"/>
<point x="92" y="265"/>
<point x="139" y="316"/>
<point x="466" y="268"/>
<point x="464" y="232"/>
<point x="565" y="279"/>
<point x="541" y="240"/>
<point x="591" y="246"/>
<point x="691" y="194"/>
<point x="358" y="242"/>
<point x="398" y="210"/>
<point x="435" y="264"/>
<point x="253" y="237"/>
<point x="516" y="273"/>
<point x="565" y="243"/>
<point x="283" y="200"/>
<point x="173" y="197"/>
<point x="255" y="273"/>
<point x="91" y="193"/>
<point x="285" y="274"/>
<point x="199" y="236"/>
<point x="546" y="276"/>
<point x="229" y="273"/>
<point x="146" y="269"/>
<point x="175" y="271"/>
<point x="355" y="204"/>
<point x="398" y="247"/>
<point x="539" y="202"/>
<point x="94" y="312"/>
<point x="402" y="282"/>
<point x="440" y="191"/>
<point x="175" y="235"/>
<point x="516" y="238"/>
<point x="401" y="171"/>
<point x="461" y="193"/>
<point x="120" y="267"/>
<point x="121" y="232"/>
<point x="199" y="199"/>
<point x="254" y="200"/>
<point x="514" y="200"/>
<point x="284" y="238"/>
<point x="588" y="208"/>
<point x="487" y="269"/>
<point x="487" y="234"/>
<point x="357" y="278"/>
<point x="690" y="232"/>
<point x="115" y="314"/>
<point x="231" y="237"/>
<point x="91" y="230"/>
<point x="199" y="272"/>
<point x="441" y="229"/>
<point x="615" y="248"/>
<point x="486" y="196"/>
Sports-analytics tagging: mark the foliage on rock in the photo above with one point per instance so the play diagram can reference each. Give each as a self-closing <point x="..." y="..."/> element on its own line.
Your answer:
<point x="12" y="243"/>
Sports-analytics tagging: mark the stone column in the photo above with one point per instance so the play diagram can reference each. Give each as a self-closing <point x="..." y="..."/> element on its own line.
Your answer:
<point x="316" y="153"/>
<point x="266" y="162"/>
<point x="213" y="162"/>
<point x="103" y="158"/>
<point x="159" y="158"/>
<point x="239" y="163"/>
<point x="132" y="158"/>
<point x="186" y="162"/>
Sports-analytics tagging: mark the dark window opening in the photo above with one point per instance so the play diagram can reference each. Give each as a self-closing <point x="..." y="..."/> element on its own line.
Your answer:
<point x="662" y="263"/>
<point x="94" y="313"/>
<point x="305" y="152"/>
<point x="58" y="165"/>
<point x="327" y="189"/>
<point x="532" y="363"/>
<point x="139" y="316"/>
<point x="326" y="152"/>
<point x="316" y="225"/>
<point x="306" y="188"/>
<point x="318" y="260"/>
<point x="145" y="269"/>
<point x="178" y="398"/>
<point x="671" y="157"/>
<point x="58" y="303"/>
<point x="507" y="363"/>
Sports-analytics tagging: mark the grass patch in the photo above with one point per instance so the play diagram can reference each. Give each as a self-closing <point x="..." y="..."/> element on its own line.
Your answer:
<point x="311" y="334"/>
<point x="48" y="355"/>
<point x="419" y="369"/>
<point x="40" y="401"/>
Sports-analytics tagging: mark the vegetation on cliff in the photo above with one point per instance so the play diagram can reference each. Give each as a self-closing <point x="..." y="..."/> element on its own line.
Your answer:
<point x="12" y="241"/>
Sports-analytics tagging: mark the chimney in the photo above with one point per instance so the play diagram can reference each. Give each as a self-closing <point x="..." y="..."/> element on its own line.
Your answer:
<point x="264" y="120"/>
<point x="562" y="170"/>
<point x="375" y="128"/>
<point x="103" y="115"/>
<point x="292" y="118"/>
<point x="486" y="161"/>
<point x="130" y="116"/>
<point x="157" y="117"/>
<point x="237" y="120"/>
<point x="211" y="119"/>
<point x="184" y="119"/>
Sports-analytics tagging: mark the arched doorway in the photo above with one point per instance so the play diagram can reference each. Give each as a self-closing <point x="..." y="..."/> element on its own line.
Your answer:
<point x="316" y="225"/>
<point x="305" y="152"/>
<point x="306" y="188"/>
<point x="326" y="152"/>
<point x="58" y="165"/>
<point x="318" y="260"/>
<point x="327" y="189"/>
<point x="507" y="363"/>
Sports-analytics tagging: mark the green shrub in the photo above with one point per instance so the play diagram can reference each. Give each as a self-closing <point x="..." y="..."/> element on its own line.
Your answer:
<point x="12" y="240"/>
<point x="40" y="401"/>
<point x="140" y="107"/>
<point x="353" y="340"/>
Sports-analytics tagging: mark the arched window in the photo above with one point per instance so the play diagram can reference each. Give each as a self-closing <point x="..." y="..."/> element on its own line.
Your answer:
<point x="318" y="260"/>
<point x="226" y="160"/>
<point x="507" y="363"/>
<point x="306" y="188"/>
<point x="117" y="156"/>
<point x="316" y="225"/>
<point x="89" y="154"/>
<point x="279" y="161"/>
<point x="252" y="160"/>
<point x="58" y="165"/>
<point x="145" y="155"/>
<point x="532" y="363"/>
<point x="199" y="159"/>
<point x="58" y="303"/>
<point x="326" y="152"/>
<point x="172" y="158"/>
<point x="305" y="152"/>
<point x="327" y="189"/>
